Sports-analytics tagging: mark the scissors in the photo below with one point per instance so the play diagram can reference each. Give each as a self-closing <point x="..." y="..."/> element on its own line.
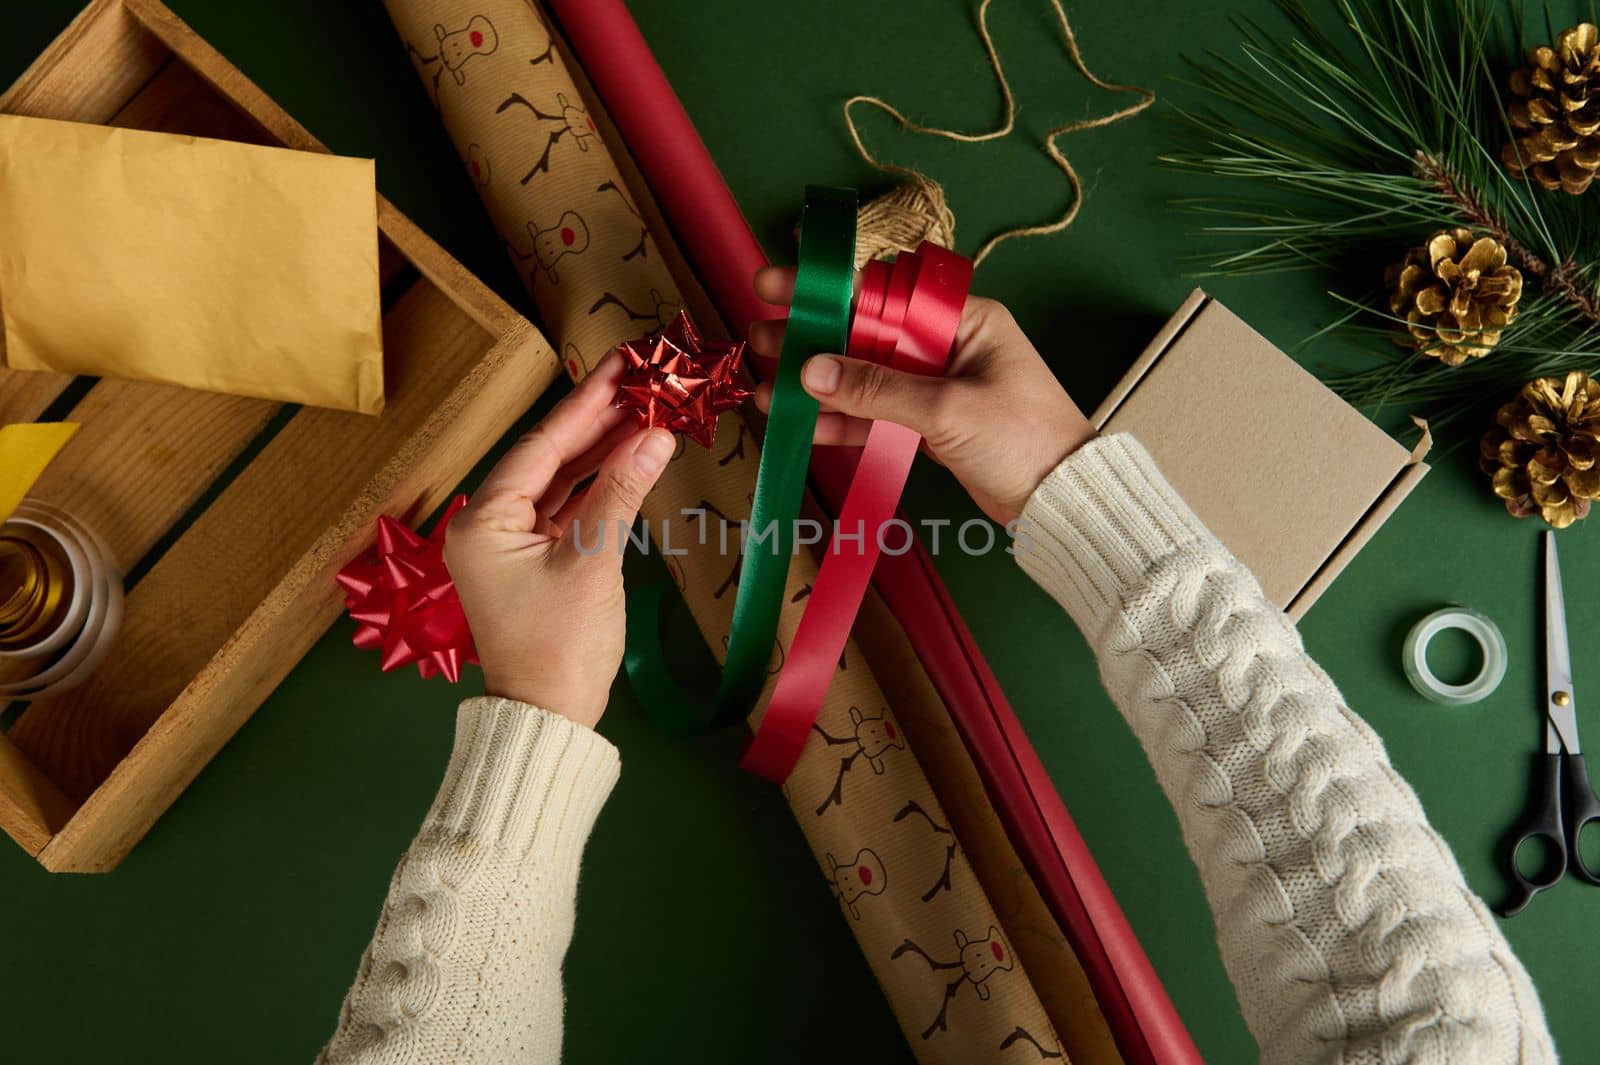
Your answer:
<point x="1566" y="803"/>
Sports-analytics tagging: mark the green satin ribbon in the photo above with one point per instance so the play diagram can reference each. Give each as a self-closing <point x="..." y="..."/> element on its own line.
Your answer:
<point x="819" y="321"/>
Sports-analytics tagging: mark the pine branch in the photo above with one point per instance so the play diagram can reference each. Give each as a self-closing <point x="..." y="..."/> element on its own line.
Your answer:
<point x="1563" y="280"/>
<point x="1358" y="139"/>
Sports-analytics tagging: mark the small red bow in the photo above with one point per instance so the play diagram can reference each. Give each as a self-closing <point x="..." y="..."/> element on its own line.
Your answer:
<point x="675" y="380"/>
<point x="404" y="602"/>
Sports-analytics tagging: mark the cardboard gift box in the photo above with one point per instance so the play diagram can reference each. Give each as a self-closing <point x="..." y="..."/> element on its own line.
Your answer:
<point x="1227" y="415"/>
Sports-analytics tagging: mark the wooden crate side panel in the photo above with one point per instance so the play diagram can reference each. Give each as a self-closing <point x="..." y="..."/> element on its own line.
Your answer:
<point x="177" y="100"/>
<point x="222" y="75"/>
<point x="491" y="312"/>
<point x="24" y="395"/>
<point x="91" y="70"/>
<point x="235" y="553"/>
<point x="294" y="615"/>
<point x="32" y="808"/>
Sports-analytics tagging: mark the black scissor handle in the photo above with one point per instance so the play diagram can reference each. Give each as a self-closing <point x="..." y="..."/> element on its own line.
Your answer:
<point x="1544" y="821"/>
<point x="1582" y="809"/>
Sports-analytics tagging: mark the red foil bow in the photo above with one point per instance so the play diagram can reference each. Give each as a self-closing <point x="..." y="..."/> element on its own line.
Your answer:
<point x="404" y="602"/>
<point x="675" y="380"/>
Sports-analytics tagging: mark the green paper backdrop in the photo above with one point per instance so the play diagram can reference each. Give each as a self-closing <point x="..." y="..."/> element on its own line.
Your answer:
<point x="233" y="930"/>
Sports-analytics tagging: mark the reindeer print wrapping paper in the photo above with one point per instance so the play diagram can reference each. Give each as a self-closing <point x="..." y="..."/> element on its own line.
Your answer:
<point x="526" y="140"/>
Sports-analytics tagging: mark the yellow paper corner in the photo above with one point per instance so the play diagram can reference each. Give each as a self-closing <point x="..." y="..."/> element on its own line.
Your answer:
<point x="25" y="450"/>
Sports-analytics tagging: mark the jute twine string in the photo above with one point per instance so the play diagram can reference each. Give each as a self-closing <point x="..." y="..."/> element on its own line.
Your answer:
<point x="903" y="218"/>
<point x="917" y="211"/>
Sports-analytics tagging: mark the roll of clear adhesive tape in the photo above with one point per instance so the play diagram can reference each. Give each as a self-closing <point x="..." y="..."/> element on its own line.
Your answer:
<point x="1483" y="631"/>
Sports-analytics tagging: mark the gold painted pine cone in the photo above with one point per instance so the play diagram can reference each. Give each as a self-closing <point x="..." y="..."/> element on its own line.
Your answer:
<point x="1456" y="294"/>
<point x="1554" y="110"/>
<point x="1542" y="455"/>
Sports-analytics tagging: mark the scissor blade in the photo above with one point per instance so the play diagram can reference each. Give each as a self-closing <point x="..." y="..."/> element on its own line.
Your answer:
<point x="1560" y="703"/>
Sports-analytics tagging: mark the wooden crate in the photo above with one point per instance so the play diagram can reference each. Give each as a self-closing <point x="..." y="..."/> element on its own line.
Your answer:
<point x="245" y="508"/>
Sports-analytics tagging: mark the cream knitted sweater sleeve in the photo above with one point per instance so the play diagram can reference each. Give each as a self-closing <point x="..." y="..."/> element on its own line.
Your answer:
<point x="1343" y="920"/>
<point x="465" y="965"/>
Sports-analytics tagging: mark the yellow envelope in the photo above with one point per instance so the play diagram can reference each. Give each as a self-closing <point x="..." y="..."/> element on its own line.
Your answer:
<point x="212" y="264"/>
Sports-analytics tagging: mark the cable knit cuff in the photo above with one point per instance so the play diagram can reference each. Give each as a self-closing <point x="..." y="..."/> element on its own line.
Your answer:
<point x="524" y="779"/>
<point x="1094" y="527"/>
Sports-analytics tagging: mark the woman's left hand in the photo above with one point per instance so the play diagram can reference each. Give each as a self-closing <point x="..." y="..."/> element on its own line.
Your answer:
<point x="547" y="618"/>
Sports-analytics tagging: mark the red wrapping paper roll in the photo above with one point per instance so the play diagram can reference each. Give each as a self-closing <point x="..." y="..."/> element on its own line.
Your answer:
<point x="724" y="252"/>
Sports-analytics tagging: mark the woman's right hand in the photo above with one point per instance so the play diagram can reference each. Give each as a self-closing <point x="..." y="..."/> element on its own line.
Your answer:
<point x="999" y="419"/>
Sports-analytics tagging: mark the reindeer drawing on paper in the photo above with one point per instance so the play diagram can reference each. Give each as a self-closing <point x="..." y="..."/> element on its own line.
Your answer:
<point x="737" y="450"/>
<point x="663" y="311"/>
<point x="1022" y="1035"/>
<point x="978" y="960"/>
<point x="567" y="119"/>
<point x="643" y="247"/>
<point x="873" y="738"/>
<point x="569" y="236"/>
<point x="541" y="37"/>
<point x="452" y="50"/>
<point x="860" y="876"/>
<point x="911" y="809"/>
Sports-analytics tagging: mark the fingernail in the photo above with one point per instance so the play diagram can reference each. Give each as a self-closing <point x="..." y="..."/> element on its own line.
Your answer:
<point x="654" y="451"/>
<point x="821" y="374"/>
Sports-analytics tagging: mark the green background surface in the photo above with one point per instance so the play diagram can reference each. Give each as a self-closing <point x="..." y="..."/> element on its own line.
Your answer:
<point x="704" y="931"/>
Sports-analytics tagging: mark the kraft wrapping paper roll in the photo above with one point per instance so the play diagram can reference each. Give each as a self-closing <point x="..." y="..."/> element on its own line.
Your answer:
<point x="1057" y="973"/>
<point x="524" y="134"/>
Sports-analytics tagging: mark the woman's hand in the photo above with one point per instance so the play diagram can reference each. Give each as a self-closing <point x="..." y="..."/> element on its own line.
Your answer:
<point x="998" y="419"/>
<point x="548" y="618"/>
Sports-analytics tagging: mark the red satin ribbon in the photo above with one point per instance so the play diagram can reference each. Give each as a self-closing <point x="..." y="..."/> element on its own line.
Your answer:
<point x="905" y="318"/>
<point x="725" y="254"/>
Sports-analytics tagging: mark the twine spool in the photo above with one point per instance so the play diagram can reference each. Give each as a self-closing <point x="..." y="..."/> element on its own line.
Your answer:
<point x="902" y="218"/>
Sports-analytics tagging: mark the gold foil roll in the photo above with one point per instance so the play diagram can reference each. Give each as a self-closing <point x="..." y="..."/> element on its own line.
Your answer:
<point x="35" y="586"/>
